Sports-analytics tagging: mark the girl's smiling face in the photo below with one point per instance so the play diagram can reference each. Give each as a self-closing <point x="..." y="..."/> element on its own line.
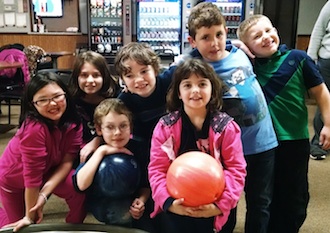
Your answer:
<point x="90" y="79"/>
<point x="195" y="93"/>
<point x="50" y="102"/>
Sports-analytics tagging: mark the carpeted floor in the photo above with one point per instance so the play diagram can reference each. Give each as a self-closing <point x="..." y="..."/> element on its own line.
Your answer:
<point x="319" y="179"/>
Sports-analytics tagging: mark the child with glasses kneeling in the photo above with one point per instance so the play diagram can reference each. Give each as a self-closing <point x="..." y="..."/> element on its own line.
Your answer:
<point x="37" y="161"/>
<point x="113" y="121"/>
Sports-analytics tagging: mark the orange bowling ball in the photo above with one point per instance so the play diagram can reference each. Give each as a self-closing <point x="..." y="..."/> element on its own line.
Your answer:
<point x="197" y="177"/>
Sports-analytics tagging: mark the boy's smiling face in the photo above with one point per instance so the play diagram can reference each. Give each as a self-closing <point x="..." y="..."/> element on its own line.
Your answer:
<point x="210" y="42"/>
<point x="262" y="39"/>
<point x="115" y="129"/>
<point x="141" y="79"/>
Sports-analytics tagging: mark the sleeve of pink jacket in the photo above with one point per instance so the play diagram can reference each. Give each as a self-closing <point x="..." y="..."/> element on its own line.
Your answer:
<point x="161" y="148"/>
<point x="41" y="155"/>
<point x="231" y="156"/>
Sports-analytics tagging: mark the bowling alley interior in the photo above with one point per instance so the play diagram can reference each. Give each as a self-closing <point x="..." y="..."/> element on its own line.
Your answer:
<point x="58" y="30"/>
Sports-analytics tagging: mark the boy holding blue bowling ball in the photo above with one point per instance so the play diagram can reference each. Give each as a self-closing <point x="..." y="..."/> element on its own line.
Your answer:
<point x="113" y="122"/>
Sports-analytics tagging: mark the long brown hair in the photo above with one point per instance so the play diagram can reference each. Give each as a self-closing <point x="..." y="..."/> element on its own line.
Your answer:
<point x="109" y="88"/>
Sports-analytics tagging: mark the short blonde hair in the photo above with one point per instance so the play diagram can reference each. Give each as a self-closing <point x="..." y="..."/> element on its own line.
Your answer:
<point x="111" y="105"/>
<point x="246" y="24"/>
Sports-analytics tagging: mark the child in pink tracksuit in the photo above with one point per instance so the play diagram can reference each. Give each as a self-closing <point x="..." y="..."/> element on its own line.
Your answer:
<point x="38" y="159"/>
<point x="195" y="123"/>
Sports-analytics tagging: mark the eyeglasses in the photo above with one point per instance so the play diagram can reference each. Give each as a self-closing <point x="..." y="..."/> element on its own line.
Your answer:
<point x="45" y="102"/>
<point x="112" y="129"/>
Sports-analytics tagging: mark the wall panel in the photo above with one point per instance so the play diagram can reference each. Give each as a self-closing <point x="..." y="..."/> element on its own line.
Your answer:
<point x="49" y="42"/>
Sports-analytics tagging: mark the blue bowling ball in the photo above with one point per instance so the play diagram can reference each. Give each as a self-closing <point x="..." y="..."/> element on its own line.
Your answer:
<point x="112" y="211"/>
<point x="118" y="176"/>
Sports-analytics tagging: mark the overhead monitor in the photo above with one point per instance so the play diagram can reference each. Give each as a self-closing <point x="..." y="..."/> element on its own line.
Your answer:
<point x="48" y="8"/>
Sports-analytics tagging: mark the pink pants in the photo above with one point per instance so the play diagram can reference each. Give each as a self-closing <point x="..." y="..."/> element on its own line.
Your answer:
<point x="13" y="207"/>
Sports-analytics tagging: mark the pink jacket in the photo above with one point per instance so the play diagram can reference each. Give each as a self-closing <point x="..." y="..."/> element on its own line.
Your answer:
<point x="225" y="146"/>
<point x="34" y="153"/>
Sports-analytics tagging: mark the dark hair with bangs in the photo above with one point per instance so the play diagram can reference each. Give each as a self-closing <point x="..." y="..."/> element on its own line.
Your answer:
<point x="29" y="111"/>
<point x="201" y="69"/>
<point x="141" y="53"/>
<point x="204" y="14"/>
<point x="109" y="87"/>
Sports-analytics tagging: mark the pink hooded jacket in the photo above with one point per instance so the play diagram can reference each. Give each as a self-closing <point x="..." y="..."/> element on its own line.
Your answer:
<point x="225" y="145"/>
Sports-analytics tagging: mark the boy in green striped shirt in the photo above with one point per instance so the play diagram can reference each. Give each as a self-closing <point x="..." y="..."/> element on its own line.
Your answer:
<point x="285" y="75"/>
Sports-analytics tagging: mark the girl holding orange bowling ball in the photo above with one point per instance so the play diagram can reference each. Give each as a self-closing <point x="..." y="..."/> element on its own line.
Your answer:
<point x="195" y="123"/>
